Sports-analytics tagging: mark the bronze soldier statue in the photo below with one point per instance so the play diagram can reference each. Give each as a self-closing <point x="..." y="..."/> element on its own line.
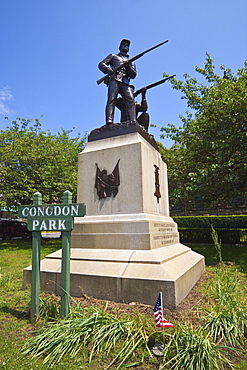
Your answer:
<point x="118" y="81"/>
<point x="143" y="118"/>
<point x="118" y="70"/>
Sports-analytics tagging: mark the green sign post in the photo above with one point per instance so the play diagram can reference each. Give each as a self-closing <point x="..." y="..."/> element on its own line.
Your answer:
<point x="51" y="217"/>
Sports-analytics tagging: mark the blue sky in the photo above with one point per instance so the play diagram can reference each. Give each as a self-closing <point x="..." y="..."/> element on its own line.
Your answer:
<point x="50" y="51"/>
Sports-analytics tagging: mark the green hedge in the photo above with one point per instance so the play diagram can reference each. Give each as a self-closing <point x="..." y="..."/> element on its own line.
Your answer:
<point x="232" y="222"/>
<point x="203" y="235"/>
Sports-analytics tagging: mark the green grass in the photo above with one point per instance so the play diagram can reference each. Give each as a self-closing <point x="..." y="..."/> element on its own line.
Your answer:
<point x="236" y="255"/>
<point x="16" y="331"/>
<point x="15" y="327"/>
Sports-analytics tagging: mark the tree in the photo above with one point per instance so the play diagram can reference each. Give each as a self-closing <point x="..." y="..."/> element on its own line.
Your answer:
<point x="32" y="160"/>
<point x="208" y="163"/>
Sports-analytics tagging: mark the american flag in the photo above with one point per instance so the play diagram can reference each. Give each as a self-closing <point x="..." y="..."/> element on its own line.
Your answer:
<point x="158" y="314"/>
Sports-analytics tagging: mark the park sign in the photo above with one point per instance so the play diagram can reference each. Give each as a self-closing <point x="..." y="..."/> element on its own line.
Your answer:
<point x="51" y="217"/>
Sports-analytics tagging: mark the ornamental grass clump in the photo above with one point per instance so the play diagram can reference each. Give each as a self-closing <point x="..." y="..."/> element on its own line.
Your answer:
<point x="226" y="317"/>
<point x="89" y="331"/>
<point x="4" y="279"/>
<point x="48" y="308"/>
<point x="225" y="325"/>
<point x="217" y="245"/>
<point x="192" y="349"/>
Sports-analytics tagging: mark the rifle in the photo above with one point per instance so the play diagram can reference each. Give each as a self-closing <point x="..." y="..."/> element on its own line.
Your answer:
<point x="130" y="61"/>
<point x="153" y="85"/>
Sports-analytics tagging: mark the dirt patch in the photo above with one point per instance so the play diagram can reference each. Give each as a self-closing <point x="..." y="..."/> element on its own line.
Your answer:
<point x="185" y="310"/>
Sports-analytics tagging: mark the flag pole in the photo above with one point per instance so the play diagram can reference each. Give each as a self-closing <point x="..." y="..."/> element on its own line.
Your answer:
<point x="161" y="322"/>
<point x="161" y="300"/>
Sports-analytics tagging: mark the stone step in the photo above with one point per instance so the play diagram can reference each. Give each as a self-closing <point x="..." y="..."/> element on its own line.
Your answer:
<point x="125" y="275"/>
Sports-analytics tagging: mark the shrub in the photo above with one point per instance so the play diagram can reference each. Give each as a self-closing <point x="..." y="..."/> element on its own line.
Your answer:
<point x="232" y="222"/>
<point x="203" y="235"/>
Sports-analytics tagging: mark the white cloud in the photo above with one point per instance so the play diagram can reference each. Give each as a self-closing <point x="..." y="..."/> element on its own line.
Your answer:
<point x="5" y="97"/>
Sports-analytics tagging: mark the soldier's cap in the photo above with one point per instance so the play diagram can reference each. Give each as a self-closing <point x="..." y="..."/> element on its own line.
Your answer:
<point x="125" y="40"/>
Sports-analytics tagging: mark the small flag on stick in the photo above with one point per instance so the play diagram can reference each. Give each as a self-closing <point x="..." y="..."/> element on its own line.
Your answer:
<point x="158" y="314"/>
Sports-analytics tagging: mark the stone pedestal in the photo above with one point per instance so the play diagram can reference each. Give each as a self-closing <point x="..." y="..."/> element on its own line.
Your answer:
<point x="127" y="246"/>
<point x="135" y="218"/>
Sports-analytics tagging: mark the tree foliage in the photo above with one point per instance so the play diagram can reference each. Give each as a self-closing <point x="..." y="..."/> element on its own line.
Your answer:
<point x="207" y="165"/>
<point x="33" y="160"/>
